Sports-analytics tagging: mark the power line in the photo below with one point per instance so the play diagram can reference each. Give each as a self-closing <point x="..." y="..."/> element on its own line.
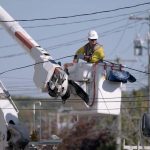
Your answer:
<point x="83" y="21"/>
<point x="63" y="44"/>
<point x="13" y="55"/>
<point x="18" y="68"/>
<point x="81" y="110"/>
<point x="84" y="14"/>
<point x="103" y="34"/>
<point x="120" y="39"/>
<point x="70" y="33"/>
<point x="77" y="100"/>
<point x="128" y="67"/>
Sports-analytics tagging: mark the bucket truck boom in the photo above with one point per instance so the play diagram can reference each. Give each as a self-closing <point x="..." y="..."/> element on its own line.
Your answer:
<point x="99" y="80"/>
<point x="48" y="75"/>
<point x="13" y="134"/>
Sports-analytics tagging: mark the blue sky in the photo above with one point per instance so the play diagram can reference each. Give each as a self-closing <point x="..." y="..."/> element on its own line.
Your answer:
<point x="62" y="37"/>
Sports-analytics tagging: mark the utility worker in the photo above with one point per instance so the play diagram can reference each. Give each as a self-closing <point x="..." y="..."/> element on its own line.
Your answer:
<point x="91" y="52"/>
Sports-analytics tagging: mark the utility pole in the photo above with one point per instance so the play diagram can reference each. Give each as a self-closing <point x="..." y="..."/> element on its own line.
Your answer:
<point x="118" y="140"/>
<point x="148" y="50"/>
<point x="119" y="122"/>
<point x="34" y="118"/>
<point x="148" y="46"/>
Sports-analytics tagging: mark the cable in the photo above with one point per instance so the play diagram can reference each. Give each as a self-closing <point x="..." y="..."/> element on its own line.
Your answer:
<point x="138" y="70"/>
<point x="13" y="55"/>
<point x="81" y="110"/>
<point x="18" y="68"/>
<point x="127" y="67"/>
<point x="63" y="44"/>
<point x="76" y="100"/>
<point x="83" y="21"/>
<point x="120" y="39"/>
<point x="65" y="34"/>
<point x="80" y="15"/>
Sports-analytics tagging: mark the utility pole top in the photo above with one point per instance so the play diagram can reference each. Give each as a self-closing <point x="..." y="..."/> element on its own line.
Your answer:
<point x="132" y="17"/>
<point x="147" y="18"/>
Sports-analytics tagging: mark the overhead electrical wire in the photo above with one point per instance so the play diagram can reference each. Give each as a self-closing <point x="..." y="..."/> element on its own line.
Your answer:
<point x="71" y="42"/>
<point x="84" y="21"/>
<point x="21" y="54"/>
<point x="31" y="65"/>
<point x="18" y="68"/>
<point x="84" y="14"/>
<point x="20" y="86"/>
<point x="109" y="100"/>
<point x="128" y="67"/>
<point x="120" y="39"/>
<point x="81" y="30"/>
<point x="43" y="109"/>
<point x="87" y="28"/>
<point x="13" y="55"/>
<point x="41" y="39"/>
<point x="74" y="32"/>
<point x="82" y="110"/>
<point x="17" y="78"/>
<point x="7" y="56"/>
<point x="63" y="44"/>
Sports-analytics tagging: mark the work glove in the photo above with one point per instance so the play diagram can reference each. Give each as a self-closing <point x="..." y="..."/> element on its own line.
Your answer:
<point x="81" y="56"/>
<point x="87" y="58"/>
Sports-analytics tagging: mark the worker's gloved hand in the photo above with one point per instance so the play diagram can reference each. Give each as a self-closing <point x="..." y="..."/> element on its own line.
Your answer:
<point x="87" y="58"/>
<point x="81" y="56"/>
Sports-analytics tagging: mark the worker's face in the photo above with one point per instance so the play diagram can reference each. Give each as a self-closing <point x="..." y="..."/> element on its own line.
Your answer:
<point x="92" y="42"/>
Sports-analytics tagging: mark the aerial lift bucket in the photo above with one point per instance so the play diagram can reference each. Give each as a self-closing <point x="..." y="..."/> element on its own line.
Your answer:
<point x="104" y="96"/>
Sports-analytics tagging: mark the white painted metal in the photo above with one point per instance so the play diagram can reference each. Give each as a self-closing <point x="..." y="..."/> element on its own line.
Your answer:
<point x="3" y="132"/>
<point x="7" y="105"/>
<point x="81" y="72"/>
<point x="45" y="65"/>
<point x="9" y="122"/>
<point x="133" y="147"/>
<point x="8" y="111"/>
<point x="107" y="97"/>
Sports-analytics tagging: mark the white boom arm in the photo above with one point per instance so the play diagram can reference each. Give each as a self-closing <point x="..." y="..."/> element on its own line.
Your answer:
<point x="48" y="75"/>
<point x="12" y="133"/>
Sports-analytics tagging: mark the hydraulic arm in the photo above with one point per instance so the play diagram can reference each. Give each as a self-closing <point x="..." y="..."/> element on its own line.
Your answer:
<point x="48" y="75"/>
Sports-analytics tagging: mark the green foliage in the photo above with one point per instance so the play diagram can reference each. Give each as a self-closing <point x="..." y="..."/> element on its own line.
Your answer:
<point x="94" y="132"/>
<point x="134" y="104"/>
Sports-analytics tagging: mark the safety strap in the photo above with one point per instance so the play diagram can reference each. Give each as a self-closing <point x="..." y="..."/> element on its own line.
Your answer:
<point x="94" y="84"/>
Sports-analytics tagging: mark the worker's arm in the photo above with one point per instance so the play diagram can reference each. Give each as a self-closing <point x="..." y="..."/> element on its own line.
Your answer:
<point x="79" y="52"/>
<point x="97" y="55"/>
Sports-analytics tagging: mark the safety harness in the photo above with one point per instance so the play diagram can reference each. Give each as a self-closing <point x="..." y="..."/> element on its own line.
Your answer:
<point x="90" y="50"/>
